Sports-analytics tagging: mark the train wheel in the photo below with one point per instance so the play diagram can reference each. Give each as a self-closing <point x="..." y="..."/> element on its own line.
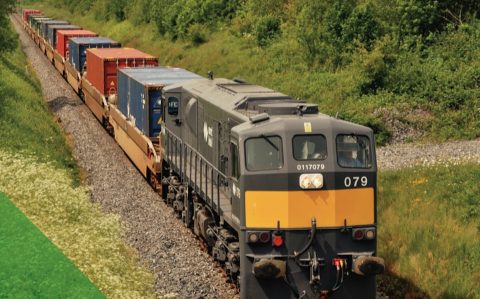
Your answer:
<point x="187" y="213"/>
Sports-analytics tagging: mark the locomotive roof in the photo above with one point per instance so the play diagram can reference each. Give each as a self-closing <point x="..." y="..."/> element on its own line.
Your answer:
<point x="234" y="96"/>
<point x="246" y="100"/>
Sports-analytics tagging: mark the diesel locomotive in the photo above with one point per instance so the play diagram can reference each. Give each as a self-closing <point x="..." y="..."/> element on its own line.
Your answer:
<point x="283" y="196"/>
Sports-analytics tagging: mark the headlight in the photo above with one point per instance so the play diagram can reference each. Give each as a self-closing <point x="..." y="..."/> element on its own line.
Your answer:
<point x="311" y="181"/>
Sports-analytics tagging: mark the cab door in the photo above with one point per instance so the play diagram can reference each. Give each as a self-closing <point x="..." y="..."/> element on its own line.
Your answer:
<point x="173" y="113"/>
<point x="234" y="179"/>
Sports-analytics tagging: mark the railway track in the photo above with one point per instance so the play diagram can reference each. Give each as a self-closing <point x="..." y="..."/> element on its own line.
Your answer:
<point x="171" y="251"/>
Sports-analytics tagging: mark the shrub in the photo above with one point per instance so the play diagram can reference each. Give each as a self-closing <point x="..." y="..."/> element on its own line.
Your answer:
<point x="197" y="34"/>
<point x="267" y="28"/>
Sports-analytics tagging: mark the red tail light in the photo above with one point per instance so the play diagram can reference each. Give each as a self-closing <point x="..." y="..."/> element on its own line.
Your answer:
<point x="264" y="237"/>
<point x="277" y="240"/>
<point x="358" y="234"/>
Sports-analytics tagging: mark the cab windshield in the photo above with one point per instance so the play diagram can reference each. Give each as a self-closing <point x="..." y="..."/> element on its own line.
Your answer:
<point x="309" y="147"/>
<point x="263" y="153"/>
<point x="353" y="151"/>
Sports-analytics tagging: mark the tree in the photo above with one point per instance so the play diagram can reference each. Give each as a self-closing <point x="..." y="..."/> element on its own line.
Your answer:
<point x="8" y="39"/>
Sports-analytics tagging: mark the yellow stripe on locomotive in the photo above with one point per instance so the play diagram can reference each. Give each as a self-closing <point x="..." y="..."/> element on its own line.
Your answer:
<point x="294" y="209"/>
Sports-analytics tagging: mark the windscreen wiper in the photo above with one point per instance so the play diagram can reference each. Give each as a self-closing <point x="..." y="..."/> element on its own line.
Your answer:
<point x="271" y="143"/>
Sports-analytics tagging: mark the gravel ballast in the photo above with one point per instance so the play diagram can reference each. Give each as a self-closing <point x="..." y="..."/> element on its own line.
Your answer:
<point x="169" y="249"/>
<point x="398" y="156"/>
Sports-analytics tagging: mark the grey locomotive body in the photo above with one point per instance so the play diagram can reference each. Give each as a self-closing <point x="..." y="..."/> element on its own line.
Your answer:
<point x="263" y="179"/>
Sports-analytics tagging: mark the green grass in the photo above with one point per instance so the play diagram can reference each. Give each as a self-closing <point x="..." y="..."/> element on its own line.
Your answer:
<point x="31" y="266"/>
<point x="429" y="231"/>
<point x="25" y="120"/>
<point x="40" y="176"/>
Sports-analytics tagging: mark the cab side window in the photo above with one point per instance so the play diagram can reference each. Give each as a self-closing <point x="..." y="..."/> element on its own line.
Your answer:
<point x="172" y="105"/>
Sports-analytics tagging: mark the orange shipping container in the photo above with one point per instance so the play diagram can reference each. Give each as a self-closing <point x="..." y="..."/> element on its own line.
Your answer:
<point x="63" y="36"/>
<point x="102" y="65"/>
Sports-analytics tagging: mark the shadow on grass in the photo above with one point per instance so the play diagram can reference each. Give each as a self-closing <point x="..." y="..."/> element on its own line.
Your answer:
<point x="396" y="287"/>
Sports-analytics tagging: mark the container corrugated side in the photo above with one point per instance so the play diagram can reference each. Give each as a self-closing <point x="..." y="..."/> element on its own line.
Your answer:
<point x="78" y="49"/>
<point x="140" y="91"/>
<point x="52" y="32"/>
<point x="32" y="17"/>
<point x="64" y="36"/>
<point x="104" y="79"/>
<point x="44" y="26"/>
<point x="37" y="20"/>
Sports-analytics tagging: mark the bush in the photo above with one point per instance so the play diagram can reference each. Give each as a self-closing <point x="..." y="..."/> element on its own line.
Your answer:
<point x="8" y="38"/>
<point x="266" y="29"/>
<point x="197" y="34"/>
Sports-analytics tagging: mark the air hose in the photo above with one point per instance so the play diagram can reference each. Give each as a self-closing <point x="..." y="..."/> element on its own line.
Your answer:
<point x="313" y="231"/>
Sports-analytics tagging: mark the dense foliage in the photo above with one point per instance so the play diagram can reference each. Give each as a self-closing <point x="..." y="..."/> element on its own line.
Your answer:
<point x="8" y="39"/>
<point x="407" y="68"/>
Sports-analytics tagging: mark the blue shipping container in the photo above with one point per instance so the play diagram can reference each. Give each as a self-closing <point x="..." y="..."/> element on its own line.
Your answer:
<point x="78" y="49"/>
<point x="139" y="94"/>
<point x="44" y="26"/>
<point x="52" y="32"/>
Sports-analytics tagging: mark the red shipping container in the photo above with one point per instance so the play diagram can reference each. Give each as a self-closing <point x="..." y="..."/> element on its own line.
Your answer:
<point x="63" y="36"/>
<point x="102" y="66"/>
<point x="27" y="12"/>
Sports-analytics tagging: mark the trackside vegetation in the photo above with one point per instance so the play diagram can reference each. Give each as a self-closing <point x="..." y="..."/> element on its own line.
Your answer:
<point x="429" y="228"/>
<point x="407" y="68"/>
<point x="40" y="176"/>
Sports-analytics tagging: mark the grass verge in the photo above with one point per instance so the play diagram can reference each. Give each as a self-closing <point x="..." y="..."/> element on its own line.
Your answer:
<point x="429" y="231"/>
<point x="40" y="176"/>
<point x="25" y="120"/>
<point x="35" y="267"/>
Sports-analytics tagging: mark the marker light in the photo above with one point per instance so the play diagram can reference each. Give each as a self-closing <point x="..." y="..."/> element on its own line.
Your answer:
<point x="277" y="240"/>
<point x="252" y="238"/>
<point x="311" y="181"/>
<point x="358" y="234"/>
<point x="264" y="237"/>
<point x="370" y="234"/>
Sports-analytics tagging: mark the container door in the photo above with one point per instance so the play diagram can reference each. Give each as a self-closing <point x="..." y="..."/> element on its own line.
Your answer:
<point x="155" y="112"/>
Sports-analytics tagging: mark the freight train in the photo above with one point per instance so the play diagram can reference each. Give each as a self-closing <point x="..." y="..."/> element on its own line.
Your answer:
<point x="283" y="195"/>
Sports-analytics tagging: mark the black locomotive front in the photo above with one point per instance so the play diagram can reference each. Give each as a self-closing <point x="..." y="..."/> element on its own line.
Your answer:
<point x="308" y="224"/>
